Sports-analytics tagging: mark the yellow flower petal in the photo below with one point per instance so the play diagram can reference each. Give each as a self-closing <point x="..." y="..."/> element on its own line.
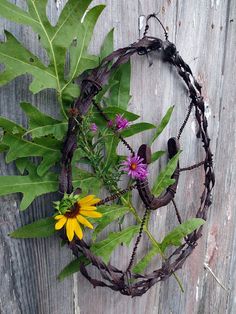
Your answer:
<point x="57" y="217"/>
<point x="70" y="227"/>
<point x="84" y="221"/>
<point x="88" y="200"/>
<point x="87" y="207"/>
<point x="78" y="231"/>
<point x="60" y="223"/>
<point x="90" y="213"/>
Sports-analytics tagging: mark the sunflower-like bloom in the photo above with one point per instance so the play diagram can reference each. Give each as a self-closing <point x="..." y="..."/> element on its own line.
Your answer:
<point x="73" y="218"/>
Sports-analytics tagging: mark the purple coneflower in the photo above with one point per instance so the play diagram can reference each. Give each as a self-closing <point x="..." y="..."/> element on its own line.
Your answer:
<point x="93" y="127"/>
<point x="135" y="168"/>
<point x="119" y="122"/>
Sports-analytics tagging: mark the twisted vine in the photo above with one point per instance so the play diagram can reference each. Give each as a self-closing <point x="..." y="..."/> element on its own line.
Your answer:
<point x="127" y="282"/>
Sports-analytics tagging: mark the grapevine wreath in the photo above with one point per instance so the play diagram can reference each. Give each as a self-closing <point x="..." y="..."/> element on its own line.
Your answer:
<point x="125" y="281"/>
<point x="74" y="207"/>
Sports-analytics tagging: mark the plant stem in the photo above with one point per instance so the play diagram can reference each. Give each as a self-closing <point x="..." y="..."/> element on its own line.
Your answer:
<point x="62" y="107"/>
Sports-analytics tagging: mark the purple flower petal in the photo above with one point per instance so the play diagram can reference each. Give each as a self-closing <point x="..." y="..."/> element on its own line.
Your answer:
<point x="135" y="168"/>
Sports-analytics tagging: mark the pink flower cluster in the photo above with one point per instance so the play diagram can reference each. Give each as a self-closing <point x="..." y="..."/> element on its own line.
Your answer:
<point x="135" y="168"/>
<point x="120" y="123"/>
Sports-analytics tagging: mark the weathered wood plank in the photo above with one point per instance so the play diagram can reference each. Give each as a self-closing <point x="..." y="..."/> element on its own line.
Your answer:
<point x="205" y="35"/>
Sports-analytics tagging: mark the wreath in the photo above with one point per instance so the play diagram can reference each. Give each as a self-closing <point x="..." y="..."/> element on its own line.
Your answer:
<point x="90" y="133"/>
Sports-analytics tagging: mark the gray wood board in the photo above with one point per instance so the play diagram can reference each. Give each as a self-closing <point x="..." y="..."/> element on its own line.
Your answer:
<point x="205" y="35"/>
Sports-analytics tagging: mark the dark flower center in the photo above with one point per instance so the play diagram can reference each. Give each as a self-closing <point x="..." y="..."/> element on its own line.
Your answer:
<point x="74" y="211"/>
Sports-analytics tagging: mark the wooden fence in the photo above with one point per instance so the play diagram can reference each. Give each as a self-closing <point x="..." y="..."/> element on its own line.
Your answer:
<point x="205" y="34"/>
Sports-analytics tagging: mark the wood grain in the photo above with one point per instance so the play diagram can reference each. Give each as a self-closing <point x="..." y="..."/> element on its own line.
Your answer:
<point x="205" y="35"/>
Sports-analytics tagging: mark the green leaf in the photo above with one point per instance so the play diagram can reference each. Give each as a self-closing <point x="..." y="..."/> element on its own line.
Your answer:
<point x="36" y="117"/>
<point x="85" y="180"/>
<point x="107" y="46"/>
<point x="21" y="164"/>
<point x="39" y="229"/>
<point x="111" y="112"/>
<point x="11" y="127"/>
<point x="137" y="128"/>
<point x="176" y="236"/>
<point x="72" y="267"/>
<point x="163" y="124"/>
<point x="31" y="185"/>
<point x="103" y="249"/>
<point x="55" y="39"/>
<point x="111" y="144"/>
<point x="109" y="214"/>
<point x="29" y="149"/>
<point x="120" y="93"/>
<point x="18" y="60"/>
<point x="79" y="59"/>
<point x="164" y="178"/>
<point x="57" y="130"/>
<point x="157" y="155"/>
<point x="143" y="263"/>
<point x="3" y="148"/>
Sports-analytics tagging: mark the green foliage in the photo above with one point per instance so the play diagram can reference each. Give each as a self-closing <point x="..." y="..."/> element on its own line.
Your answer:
<point x="30" y="185"/>
<point x="103" y="249"/>
<point x="107" y="47"/>
<point x="165" y="120"/>
<point x="111" y="112"/>
<point x="137" y="128"/>
<point x="39" y="229"/>
<point x="119" y="95"/>
<point x="143" y="263"/>
<point x="109" y="214"/>
<point x="72" y="268"/>
<point x="164" y="179"/>
<point x="71" y="34"/>
<point x="176" y="236"/>
<point x="157" y="155"/>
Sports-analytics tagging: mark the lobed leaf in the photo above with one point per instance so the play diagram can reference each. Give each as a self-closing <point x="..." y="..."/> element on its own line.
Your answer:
<point x="29" y="149"/>
<point x="18" y="60"/>
<point x="31" y="185"/>
<point x="36" y="117"/>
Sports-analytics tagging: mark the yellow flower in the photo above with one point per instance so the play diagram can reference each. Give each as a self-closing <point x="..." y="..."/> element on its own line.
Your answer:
<point x="73" y="218"/>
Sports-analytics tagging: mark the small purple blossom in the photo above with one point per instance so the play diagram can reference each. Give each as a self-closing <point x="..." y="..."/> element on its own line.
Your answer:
<point x="119" y="122"/>
<point x="135" y="168"/>
<point x="110" y="124"/>
<point x="93" y="127"/>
